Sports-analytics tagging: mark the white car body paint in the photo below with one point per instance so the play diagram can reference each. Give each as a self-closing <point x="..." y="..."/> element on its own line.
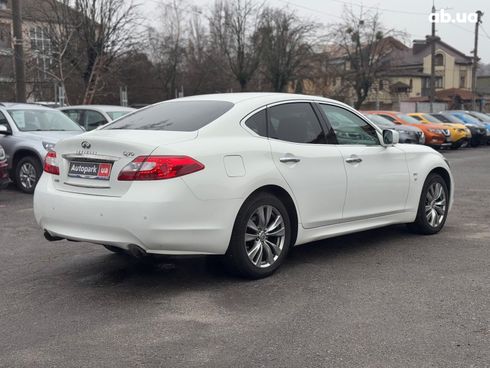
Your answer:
<point x="195" y="213"/>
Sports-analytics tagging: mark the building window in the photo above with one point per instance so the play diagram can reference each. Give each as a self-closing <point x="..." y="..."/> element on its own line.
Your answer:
<point x="439" y="60"/>
<point x="381" y="85"/>
<point x="5" y="40"/>
<point x="41" y="49"/>
<point x="438" y="82"/>
<point x="3" y="4"/>
<point x="462" y="79"/>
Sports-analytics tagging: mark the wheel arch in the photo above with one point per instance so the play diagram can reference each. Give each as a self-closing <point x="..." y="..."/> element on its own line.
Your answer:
<point x="444" y="174"/>
<point x="288" y="202"/>
<point x="24" y="152"/>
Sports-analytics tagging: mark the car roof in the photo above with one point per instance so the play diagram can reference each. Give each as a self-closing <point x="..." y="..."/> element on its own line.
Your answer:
<point x="98" y="107"/>
<point x="25" y="106"/>
<point x="238" y="97"/>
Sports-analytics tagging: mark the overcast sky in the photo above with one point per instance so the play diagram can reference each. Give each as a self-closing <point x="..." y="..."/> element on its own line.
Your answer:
<point x="410" y="16"/>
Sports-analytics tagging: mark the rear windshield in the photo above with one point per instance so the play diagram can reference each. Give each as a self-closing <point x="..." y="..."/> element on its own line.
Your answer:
<point x="181" y="116"/>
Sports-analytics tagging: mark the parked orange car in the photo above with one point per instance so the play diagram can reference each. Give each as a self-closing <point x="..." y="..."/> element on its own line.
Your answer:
<point x="436" y="135"/>
<point x="460" y="135"/>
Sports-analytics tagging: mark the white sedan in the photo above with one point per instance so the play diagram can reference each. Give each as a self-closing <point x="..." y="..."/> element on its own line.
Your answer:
<point x="246" y="175"/>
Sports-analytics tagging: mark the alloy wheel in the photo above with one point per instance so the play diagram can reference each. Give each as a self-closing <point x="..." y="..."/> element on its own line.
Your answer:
<point x="435" y="204"/>
<point x="27" y="175"/>
<point x="265" y="236"/>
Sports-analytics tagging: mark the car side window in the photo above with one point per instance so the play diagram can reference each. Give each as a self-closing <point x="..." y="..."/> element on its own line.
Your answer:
<point x="4" y="122"/>
<point x="258" y="123"/>
<point x="73" y="115"/>
<point x="94" y="119"/>
<point x="295" y="122"/>
<point x="348" y="127"/>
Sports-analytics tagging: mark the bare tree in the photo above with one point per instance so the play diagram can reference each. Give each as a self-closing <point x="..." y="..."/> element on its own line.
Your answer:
<point x="234" y="30"/>
<point x="167" y="45"/>
<point x="365" y="46"/>
<point x="86" y="37"/>
<point x="286" y="45"/>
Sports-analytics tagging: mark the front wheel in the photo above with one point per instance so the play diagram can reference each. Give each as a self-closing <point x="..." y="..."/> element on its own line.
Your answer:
<point x="27" y="173"/>
<point x="261" y="237"/>
<point x="433" y="206"/>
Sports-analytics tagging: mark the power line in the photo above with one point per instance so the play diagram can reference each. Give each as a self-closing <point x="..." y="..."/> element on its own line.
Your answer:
<point x="310" y="9"/>
<point x="484" y="31"/>
<point x="378" y="8"/>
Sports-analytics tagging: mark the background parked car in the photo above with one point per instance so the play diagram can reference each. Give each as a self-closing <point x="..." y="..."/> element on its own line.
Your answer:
<point x="460" y="135"/>
<point x="478" y="133"/>
<point x="93" y="116"/>
<point x="408" y="134"/>
<point x="484" y="119"/>
<point x="435" y="136"/>
<point x="471" y="120"/>
<point x="4" y="174"/>
<point x="27" y="133"/>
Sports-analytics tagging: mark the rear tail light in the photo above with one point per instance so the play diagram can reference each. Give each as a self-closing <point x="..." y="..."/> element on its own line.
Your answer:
<point x="159" y="168"/>
<point x="50" y="165"/>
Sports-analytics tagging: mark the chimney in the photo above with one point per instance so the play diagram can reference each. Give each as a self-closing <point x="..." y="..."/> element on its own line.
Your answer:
<point x="418" y="46"/>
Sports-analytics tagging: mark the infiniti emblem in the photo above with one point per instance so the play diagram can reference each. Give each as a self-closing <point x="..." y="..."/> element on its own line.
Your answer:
<point x="86" y="145"/>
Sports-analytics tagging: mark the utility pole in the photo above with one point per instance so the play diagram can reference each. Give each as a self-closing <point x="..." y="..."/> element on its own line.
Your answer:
<point x="20" y="75"/>
<point x="432" y="40"/>
<point x="475" y="59"/>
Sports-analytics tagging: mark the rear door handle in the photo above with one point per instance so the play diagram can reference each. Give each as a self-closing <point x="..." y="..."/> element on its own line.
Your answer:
<point x="289" y="159"/>
<point x="353" y="160"/>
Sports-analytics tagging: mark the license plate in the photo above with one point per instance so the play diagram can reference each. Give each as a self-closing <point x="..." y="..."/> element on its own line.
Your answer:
<point x="90" y="170"/>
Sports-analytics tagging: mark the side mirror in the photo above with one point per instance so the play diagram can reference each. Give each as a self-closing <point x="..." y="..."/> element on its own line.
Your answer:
<point x="4" y="130"/>
<point x="390" y="137"/>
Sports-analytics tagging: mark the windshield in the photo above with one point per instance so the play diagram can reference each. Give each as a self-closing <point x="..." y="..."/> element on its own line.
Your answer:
<point x="467" y="118"/>
<point x="116" y="114"/>
<point x="450" y="118"/>
<point x="180" y="116"/>
<point x="481" y="116"/>
<point x="31" y="120"/>
<point x="379" y="120"/>
<point x="408" y="119"/>
<point x="431" y="118"/>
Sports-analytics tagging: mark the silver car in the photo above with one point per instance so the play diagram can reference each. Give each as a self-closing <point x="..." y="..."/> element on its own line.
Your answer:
<point x="92" y="116"/>
<point x="27" y="133"/>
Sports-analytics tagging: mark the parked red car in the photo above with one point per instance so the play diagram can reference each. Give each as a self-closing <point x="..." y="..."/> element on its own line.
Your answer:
<point x="4" y="175"/>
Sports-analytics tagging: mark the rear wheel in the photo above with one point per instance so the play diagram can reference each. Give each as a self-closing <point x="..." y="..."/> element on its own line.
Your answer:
<point x="261" y="237"/>
<point x="27" y="173"/>
<point x="433" y="206"/>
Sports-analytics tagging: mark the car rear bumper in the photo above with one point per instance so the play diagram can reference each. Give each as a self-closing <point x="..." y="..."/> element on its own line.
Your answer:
<point x="170" y="220"/>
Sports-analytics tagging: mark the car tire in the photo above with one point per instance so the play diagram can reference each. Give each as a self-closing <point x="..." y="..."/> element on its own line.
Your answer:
<point x="433" y="206"/>
<point x="27" y="173"/>
<point x="261" y="237"/>
<point x="114" y="249"/>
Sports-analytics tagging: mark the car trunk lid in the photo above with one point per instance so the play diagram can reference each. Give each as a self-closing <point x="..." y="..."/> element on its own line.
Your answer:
<point x="90" y="163"/>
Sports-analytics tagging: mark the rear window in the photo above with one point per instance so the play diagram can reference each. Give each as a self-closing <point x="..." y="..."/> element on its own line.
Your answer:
<point x="182" y="116"/>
